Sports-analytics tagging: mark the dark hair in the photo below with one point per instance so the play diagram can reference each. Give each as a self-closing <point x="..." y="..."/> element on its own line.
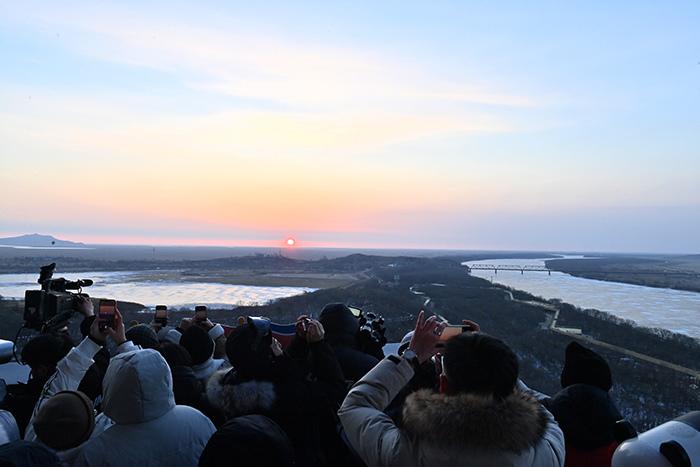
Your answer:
<point x="198" y="343"/>
<point x="175" y="354"/>
<point x="480" y="363"/>
<point x="46" y="349"/>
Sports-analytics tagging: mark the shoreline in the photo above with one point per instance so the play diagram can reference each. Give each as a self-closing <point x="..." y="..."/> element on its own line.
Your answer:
<point x="640" y="273"/>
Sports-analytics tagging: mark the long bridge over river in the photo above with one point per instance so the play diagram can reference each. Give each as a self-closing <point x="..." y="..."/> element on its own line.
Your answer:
<point x="532" y="268"/>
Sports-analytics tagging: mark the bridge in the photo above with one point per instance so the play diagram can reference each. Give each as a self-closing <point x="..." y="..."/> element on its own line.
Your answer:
<point x="531" y="268"/>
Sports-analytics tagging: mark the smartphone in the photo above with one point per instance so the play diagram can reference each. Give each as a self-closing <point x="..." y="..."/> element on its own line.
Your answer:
<point x="106" y="311"/>
<point x="161" y="316"/>
<point x="452" y="330"/>
<point x="200" y="313"/>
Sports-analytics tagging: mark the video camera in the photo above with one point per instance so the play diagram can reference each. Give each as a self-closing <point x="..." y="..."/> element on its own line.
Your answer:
<point x="370" y="334"/>
<point x="53" y="305"/>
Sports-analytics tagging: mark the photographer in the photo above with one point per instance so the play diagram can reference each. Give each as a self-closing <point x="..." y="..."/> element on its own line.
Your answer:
<point x="342" y="329"/>
<point x="482" y="414"/>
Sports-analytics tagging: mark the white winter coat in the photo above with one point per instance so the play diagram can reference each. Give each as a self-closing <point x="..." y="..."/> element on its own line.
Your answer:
<point x="149" y="428"/>
<point x="447" y="430"/>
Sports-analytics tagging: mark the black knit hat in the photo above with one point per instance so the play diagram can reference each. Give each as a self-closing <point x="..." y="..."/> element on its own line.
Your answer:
<point x="198" y="343"/>
<point x="143" y="335"/>
<point x="584" y="366"/>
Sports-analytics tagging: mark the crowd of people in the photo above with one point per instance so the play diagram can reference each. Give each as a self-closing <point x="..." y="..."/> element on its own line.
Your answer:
<point x="194" y="394"/>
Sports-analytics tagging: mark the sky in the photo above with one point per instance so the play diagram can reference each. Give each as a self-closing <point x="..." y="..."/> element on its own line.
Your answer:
<point x="519" y="125"/>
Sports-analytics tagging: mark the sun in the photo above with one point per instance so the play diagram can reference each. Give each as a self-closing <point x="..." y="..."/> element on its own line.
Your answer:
<point x="291" y="242"/>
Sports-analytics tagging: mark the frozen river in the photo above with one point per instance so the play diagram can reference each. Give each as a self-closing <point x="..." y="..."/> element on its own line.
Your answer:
<point x="175" y="294"/>
<point x="676" y="310"/>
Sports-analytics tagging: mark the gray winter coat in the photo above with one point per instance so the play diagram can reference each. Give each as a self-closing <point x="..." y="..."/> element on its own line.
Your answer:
<point x="447" y="430"/>
<point x="149" y="428"/>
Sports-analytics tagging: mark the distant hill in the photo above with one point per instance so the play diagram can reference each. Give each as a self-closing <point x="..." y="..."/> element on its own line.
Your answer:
<point x="37" y="240"/>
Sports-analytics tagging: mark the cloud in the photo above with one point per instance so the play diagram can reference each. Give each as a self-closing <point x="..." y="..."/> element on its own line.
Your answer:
<point x="244" y="62"/>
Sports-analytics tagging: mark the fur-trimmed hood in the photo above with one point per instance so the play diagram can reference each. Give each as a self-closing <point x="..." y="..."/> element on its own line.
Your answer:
<point x="240" y="398"/>
<point x="469" y="421"/>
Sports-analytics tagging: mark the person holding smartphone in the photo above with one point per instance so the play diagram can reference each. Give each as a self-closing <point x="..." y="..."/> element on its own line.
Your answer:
<point x="480" y="415"/>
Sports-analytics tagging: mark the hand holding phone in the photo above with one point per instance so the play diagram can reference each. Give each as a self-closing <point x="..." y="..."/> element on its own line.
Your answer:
<point x="106" y="312"/>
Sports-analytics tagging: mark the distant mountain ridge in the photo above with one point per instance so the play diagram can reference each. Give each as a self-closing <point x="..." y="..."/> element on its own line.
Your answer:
<point x="37" y="240"/>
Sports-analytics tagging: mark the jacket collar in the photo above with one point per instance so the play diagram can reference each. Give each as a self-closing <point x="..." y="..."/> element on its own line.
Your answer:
<point x="464" y="421"/>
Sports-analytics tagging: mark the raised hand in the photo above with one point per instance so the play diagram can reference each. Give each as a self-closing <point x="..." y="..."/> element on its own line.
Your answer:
<point x="426" y="337"/>
<point x="118" y="332"/>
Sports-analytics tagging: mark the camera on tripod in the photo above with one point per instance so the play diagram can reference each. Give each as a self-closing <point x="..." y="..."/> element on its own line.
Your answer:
<point x="53" y="305"/>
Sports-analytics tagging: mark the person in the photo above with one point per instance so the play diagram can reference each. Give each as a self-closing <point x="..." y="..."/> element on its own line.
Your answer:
<point x="341" y="328"/>
<point x="584" y="409"/>
<point x="200" y="345"/>
<point x="248" y="441"/>
<point x="264" y="380"/>
<point x="482" y="415"/>
<point x="149" y="428"/>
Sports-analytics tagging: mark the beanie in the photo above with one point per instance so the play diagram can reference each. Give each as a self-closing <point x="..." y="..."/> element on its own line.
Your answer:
<point x="198" y="343"/>
<point x="65" y="421"/>
<point x="143" y="335"/>
<point x="582" y="365"/>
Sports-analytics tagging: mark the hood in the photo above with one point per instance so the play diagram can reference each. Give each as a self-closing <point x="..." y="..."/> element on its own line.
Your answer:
<point x="340" y="324"/>
<point x="138" y="387"/>
<point x="470" y="421"/>
<point x="240" y="398"/>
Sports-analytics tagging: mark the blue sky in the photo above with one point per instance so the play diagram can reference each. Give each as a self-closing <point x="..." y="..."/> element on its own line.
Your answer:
<point x="546" y="125"/>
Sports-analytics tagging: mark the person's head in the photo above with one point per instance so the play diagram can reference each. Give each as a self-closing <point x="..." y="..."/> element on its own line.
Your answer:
<point x="248" y="350"/>
<point x="138" y="387"/>
<point x="65" y="421"/>
<point x="198" y="343"/>
<point x="43" y="352"/>
<point x="339" y="323"/>
<point x="143" y="335"/>
<point x="584" y="366"/>
<point x="478" y="363"/>
<point x="175" y="354"/>
<point x="251" y="440"/>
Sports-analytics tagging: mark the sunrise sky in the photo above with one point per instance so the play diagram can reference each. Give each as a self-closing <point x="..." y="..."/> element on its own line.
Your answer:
<point x="523" y="125"/>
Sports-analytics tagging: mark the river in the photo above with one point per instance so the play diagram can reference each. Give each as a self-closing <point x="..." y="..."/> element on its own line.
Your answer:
<point x="175" y="294"/>
<point x="675" y="310"/>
